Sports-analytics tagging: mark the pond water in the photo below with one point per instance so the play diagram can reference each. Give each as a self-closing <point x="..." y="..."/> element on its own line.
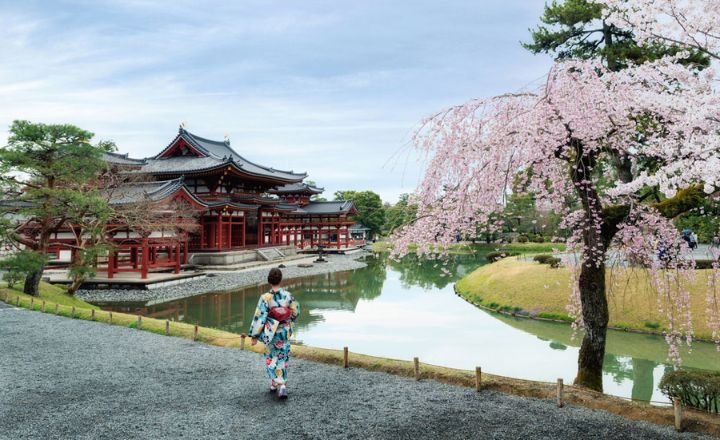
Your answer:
<point x="404" y="309"/>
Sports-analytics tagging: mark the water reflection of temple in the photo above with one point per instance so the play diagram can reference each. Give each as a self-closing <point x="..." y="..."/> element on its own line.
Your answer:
<point x="233" y="311"/>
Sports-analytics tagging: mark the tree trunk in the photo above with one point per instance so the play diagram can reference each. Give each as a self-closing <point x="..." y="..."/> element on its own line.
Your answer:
<point x="32" y="282"/>
<point x="595" y="317"/>
<point x="592" y="273"/>
<point x="77" y="278"/>
<point x="75" y="284"/>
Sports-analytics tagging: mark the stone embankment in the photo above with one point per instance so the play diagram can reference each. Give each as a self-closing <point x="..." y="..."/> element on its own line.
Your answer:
<point x="220" y="281"/>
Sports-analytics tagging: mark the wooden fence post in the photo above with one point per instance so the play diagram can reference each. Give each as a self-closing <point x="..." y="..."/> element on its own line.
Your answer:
<point x="478" y="378"/>
<point x="110" y="318"/>
<point x="139" y="322"/>
<point x="43" y="306"/>
<point x="32" y="302"/>
<point x="72" y="314"/>
<point x="195" y="332"/>
<point x="560" y="393"/>
<point x="167" y="327"/>
<point x="92" y="314"/>
<point x="242" y="342"/>
<point x="57" y="308"/>
<point x="17" y="301"/>
<point x="416" y="362"/>
<point x="346" y="362"/>
<point x="677" y="405"/>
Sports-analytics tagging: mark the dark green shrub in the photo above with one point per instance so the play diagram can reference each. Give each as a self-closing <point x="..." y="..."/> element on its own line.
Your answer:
<point x="497" y="256"/>
<point x="704" y="264"/>
<point x="553" y="262"/>
<point x="696" y="389"/>
<point x="542" y="258"/>
<point x="538" y="239"/>
<point x="522" y="239"/>
<point x="652" y="324"/>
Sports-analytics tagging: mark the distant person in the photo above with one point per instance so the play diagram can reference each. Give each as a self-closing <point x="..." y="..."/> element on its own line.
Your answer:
<point x="662" y="252"/>
<point x="272" y="324"/>
<point x="693" y="241"/>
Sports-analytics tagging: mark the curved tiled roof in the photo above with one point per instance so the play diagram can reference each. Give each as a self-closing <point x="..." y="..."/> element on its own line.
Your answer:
<point x="216" y="154"/>
<point x="138" y="192"/>
<point x="334" y="207"/>
<point x="297" y="188"/>
<point x="219" y="203"/>
<point x="122" y="159"/>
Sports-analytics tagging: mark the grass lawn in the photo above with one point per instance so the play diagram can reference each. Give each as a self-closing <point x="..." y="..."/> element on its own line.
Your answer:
<point x="524" y="287"/>
<point x="48" y="292"/>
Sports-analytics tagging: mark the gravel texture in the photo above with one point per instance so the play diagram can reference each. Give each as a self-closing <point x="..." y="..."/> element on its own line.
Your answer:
<point x="63" y="378"/>
<point x="218" y="282"/>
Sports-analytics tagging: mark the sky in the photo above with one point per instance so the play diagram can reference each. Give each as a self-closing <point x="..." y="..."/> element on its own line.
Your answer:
<point x="331" y="88"/>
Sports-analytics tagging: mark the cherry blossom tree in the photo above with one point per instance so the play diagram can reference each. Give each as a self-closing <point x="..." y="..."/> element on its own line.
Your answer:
<point x="565" y="140"/>
<point x="694" y="24"/>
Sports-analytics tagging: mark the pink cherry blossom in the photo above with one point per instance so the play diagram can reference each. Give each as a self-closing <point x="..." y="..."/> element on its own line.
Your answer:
<point x="559" y="138"/>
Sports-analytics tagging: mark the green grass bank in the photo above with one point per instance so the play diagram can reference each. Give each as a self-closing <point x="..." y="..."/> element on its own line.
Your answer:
<point x="526" y="288"/>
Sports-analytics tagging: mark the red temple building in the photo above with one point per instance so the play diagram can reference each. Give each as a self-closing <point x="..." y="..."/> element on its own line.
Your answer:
<point x="239" y="206"/>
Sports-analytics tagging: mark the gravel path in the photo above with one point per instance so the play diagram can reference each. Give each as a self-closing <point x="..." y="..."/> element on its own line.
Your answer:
<point x="63" y="378"/>
<point x="219" y="282"/>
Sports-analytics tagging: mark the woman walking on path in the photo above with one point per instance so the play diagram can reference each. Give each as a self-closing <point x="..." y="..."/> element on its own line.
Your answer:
<point x="272" y="324"/>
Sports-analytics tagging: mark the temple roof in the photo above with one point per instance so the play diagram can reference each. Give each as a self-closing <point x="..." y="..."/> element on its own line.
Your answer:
<point x="297" y="188"/>
<point x="122" y="159"/>
<point x="238" y="205"/>
<point x="334" y="207"/>
<point x="138" y="192"/>
<point x="212" y="155"/>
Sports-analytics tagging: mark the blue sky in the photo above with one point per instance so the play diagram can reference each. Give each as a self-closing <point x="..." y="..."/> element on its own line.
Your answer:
<point x="331" y="88"/>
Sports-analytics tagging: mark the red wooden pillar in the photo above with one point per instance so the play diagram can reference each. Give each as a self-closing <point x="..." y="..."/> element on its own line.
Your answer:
<point x="145" y="259"/>
<point x="230" y="226"/>
<point x="243" y="230"/>
<point x="203" y="238"/>
<point x="347" y="237"/>
<point x="186" y="257"/>
<point x="110" y="261"/>
<point x="219" y="243"/>
<point x="260" y="230"/>
<point x="337" y="237"/>
<point x="177" y="257"/>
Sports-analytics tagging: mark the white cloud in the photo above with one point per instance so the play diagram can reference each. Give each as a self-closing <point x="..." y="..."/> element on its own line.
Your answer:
<point x="313" y="86"/>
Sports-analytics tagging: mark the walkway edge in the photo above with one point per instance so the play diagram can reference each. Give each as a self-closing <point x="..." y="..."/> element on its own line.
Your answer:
<point x="695" y="421"/>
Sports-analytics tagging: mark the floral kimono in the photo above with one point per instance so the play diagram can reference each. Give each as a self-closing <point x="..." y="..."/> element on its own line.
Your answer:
<point x="275" y="334"/>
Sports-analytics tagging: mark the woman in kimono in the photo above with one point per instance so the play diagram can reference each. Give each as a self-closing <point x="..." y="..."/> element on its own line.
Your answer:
<point x="272" y="324"/>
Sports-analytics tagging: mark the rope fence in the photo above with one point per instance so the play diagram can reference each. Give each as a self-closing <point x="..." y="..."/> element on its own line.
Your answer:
<point x="192" y="331"/>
